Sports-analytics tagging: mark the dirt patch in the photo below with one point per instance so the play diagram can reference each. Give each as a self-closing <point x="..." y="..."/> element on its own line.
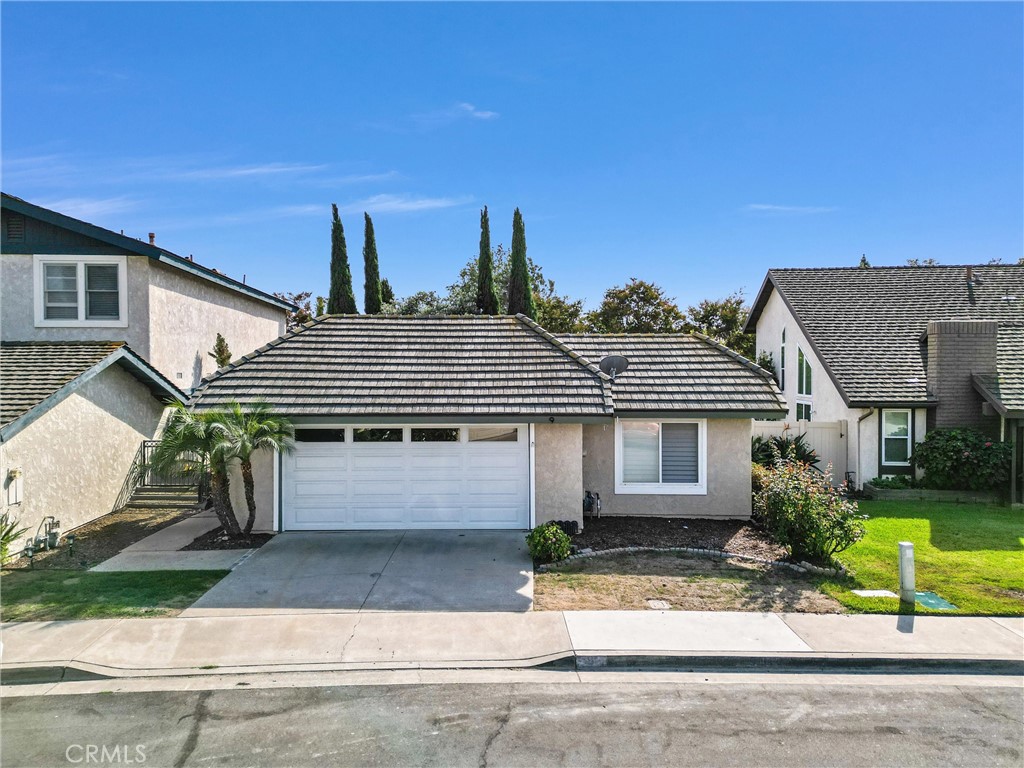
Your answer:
<point x="217" y="539"/>
<point x="103" y="538"/>
<point x="627" y="582"/>
<point x="735" y="536"/>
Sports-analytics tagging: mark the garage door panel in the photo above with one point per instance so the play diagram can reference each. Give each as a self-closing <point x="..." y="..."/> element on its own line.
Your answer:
<point x="365" y="486"/>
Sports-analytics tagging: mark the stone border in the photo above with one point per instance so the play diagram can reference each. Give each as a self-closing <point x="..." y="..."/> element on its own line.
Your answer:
<point x="931" y="494"/>
<point x="803" y="567"/>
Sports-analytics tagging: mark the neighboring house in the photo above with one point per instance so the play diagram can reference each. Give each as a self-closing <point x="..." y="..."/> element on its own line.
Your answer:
<point x="99" y="331"/>
<point x="492" y="422"/>
<point x="66" y="280"/>
<point x="897" y="351"/>
<point x="72" y="417"/>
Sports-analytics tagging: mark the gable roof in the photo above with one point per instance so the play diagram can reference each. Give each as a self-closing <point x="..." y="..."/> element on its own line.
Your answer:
<point x="353" y="366"/>
<point x="681" y="372"/>
<point x="866" y="324"/>
<point x="35" y="376"/>
<point x="1004" y="387"/>
<point x="123" y="243"/>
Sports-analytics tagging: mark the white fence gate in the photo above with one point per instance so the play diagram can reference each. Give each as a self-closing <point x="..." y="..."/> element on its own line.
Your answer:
<point x="827" y="438"/>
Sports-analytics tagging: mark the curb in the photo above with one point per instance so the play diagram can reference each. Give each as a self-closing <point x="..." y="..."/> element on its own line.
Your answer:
<point x="721" y="554"/>
<point x="588" y="662"/>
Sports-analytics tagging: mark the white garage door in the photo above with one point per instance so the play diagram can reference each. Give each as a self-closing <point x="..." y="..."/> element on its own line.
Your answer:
<point x="360" y="478"/>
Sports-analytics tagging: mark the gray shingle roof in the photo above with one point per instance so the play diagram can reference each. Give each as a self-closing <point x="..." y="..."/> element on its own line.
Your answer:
<point x="679" y="372"/>
<point x="866" y="325"/>
<point x="1005" y="387"/>
<point x="32" y="371"/>
<point x="413" y="366"/>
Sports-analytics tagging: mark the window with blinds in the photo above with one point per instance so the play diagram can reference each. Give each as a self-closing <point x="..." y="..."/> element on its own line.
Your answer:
<point x="80" y="290"/>
<point x="661" y="455"/>
<point x="102" y="301"/>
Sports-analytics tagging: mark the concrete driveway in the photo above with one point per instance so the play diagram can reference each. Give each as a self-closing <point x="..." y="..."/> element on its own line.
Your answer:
<point x="378" y="571"/>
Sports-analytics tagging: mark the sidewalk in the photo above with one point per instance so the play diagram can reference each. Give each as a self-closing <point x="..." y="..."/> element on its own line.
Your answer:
<point x="589" y="639"/>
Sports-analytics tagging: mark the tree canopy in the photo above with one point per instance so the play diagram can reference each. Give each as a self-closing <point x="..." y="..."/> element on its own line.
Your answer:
<point x="637" y="307"/>
<point x="723" y="321"/>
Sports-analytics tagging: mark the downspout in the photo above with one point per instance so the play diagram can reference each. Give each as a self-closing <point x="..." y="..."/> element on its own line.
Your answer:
<point x="860" y="478"/>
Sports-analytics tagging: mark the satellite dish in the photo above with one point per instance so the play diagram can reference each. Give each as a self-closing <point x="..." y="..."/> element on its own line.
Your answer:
<point x="614" y="364"/>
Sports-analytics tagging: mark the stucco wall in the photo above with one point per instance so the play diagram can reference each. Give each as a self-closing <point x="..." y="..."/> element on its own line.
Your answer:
<point x="17" y="310"/>
<point x="74" y="458"/>
<point x="728" y="475"/>
<point x="558" y="467"/>
<point x="187" y="313"/>
<point x="263" y="477"/>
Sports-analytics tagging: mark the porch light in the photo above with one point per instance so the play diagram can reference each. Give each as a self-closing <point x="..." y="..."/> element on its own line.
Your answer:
<point x="71" y="544"/>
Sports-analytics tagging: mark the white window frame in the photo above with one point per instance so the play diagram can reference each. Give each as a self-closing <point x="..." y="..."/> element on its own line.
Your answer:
<point x="803" y="367"/>
<point x="910" y="436"/>
<point x="121" y="262"/>
<point x="700" y="488"/>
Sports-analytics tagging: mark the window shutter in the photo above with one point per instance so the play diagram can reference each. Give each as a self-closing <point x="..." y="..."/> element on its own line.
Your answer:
<point x="679" y="462"/>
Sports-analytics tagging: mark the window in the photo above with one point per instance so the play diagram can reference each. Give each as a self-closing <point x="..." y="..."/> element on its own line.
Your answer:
<point x="377" y="435"/>
<point x="493" y="434"/>
<point x="896" y="438"/>
<point x="435" y="435"/>
<point x="81" y="291"/>
<point x="803" y="374"/>
<point x="320" y="435"/>
<point x="782" y="362"/>
<point x="662" y="457"/>
<point x="803" y="411"/>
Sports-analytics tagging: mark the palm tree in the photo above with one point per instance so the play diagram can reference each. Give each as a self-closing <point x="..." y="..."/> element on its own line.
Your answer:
<point x="192" y="443"/>
<point x="247" y="430"/>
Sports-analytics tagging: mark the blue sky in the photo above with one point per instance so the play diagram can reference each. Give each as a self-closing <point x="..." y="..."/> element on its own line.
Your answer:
<point x="695" y="145"/>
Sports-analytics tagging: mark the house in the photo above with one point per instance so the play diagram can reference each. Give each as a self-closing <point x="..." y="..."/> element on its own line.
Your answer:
<point x="98" y="332"/>
<point x="895" y="352"/>
<point x="492" y="422"/>
<point x="66" y="280"/>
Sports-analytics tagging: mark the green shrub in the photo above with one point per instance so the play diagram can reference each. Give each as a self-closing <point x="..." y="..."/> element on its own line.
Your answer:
<point x="9" y="533"/>
<point x="962" y="460"/>
<point x="758" y="476"/>
<point x="766" y="451"/>
<point x="548" y="543"/>
<point x="895" y="482"/>
<point x="798" y="507"/>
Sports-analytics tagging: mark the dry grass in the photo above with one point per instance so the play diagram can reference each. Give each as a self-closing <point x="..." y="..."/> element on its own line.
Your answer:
<point x="627" y="582"/>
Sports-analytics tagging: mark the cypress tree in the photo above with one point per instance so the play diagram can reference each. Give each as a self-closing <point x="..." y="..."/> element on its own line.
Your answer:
<point x="371" y="287"/>
<point x="486" y="295"/>
<point x="520" y="290"/>
<point x="342" y="300"/>
<point x="387" y="293"/>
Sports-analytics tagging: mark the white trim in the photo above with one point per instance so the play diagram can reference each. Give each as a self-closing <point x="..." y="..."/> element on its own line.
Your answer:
<point x="276" y="527"/>
<point x="700" y="488"/>
<point x="532" y="469"/>
<point x="910" y="436"/>
<point x="121" y="262"/>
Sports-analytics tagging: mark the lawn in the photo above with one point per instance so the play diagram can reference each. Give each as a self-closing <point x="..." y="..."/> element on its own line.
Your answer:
<point x="970" y="554"/>
<point x="50" y="595"/>
<point x="625" y="582"/>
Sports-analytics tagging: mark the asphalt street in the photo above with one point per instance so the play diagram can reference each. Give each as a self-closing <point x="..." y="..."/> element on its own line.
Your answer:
<point x="611" y="723"/>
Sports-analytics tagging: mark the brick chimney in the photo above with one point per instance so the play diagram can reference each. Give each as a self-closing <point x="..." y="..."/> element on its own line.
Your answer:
<point x="152" y="238"/>
<point x="956" y="350"/>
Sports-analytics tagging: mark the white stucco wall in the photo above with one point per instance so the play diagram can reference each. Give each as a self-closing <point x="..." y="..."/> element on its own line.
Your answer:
<point x="263" y="482"/>
<point x="186" y="314"/>
<point x="17" y="309"/>
<point x="558" y="472"/>
<point x="728" y="475"/>
<point x="74" y="458"/>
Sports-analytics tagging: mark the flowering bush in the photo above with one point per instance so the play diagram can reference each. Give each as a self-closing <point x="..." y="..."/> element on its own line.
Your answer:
<point x="962" y="460"/>
<point x="548" y="543"/>
<point x="798" y="507"/>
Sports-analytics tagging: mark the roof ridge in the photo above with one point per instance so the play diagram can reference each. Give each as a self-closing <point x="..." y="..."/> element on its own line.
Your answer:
<point x="206" y="380"/>
<point x="70" y="343"/>
<point x="579" y="359"/>
<point x="868" y="270"/>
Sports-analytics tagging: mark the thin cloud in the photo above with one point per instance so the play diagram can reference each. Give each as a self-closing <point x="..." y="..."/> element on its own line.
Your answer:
<point x="89" y="207"/>
<point x="402" y="204"/>
<point x="799" y="210"/>
<point x="245" y="171"/>
<point x="357" y="178"/>
<point x="461" y="111"/>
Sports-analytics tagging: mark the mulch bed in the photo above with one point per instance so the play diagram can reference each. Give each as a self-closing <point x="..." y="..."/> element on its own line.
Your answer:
<point x="103" y="538"/>
<point x="217" y="539"/>
<point x="736" y="536"/>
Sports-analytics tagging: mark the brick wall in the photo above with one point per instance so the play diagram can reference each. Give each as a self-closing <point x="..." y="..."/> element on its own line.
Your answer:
<point x="956" y="350"/>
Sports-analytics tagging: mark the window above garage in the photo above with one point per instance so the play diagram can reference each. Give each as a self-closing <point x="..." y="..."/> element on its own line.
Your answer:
<point x="408" y="434"/>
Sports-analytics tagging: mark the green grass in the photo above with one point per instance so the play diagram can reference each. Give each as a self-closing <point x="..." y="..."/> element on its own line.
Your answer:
<point x="56" y="595"/>
<point x="970" y="554"/>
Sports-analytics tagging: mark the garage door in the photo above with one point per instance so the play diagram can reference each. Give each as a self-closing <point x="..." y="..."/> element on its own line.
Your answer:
<point x="360" y="478"/>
